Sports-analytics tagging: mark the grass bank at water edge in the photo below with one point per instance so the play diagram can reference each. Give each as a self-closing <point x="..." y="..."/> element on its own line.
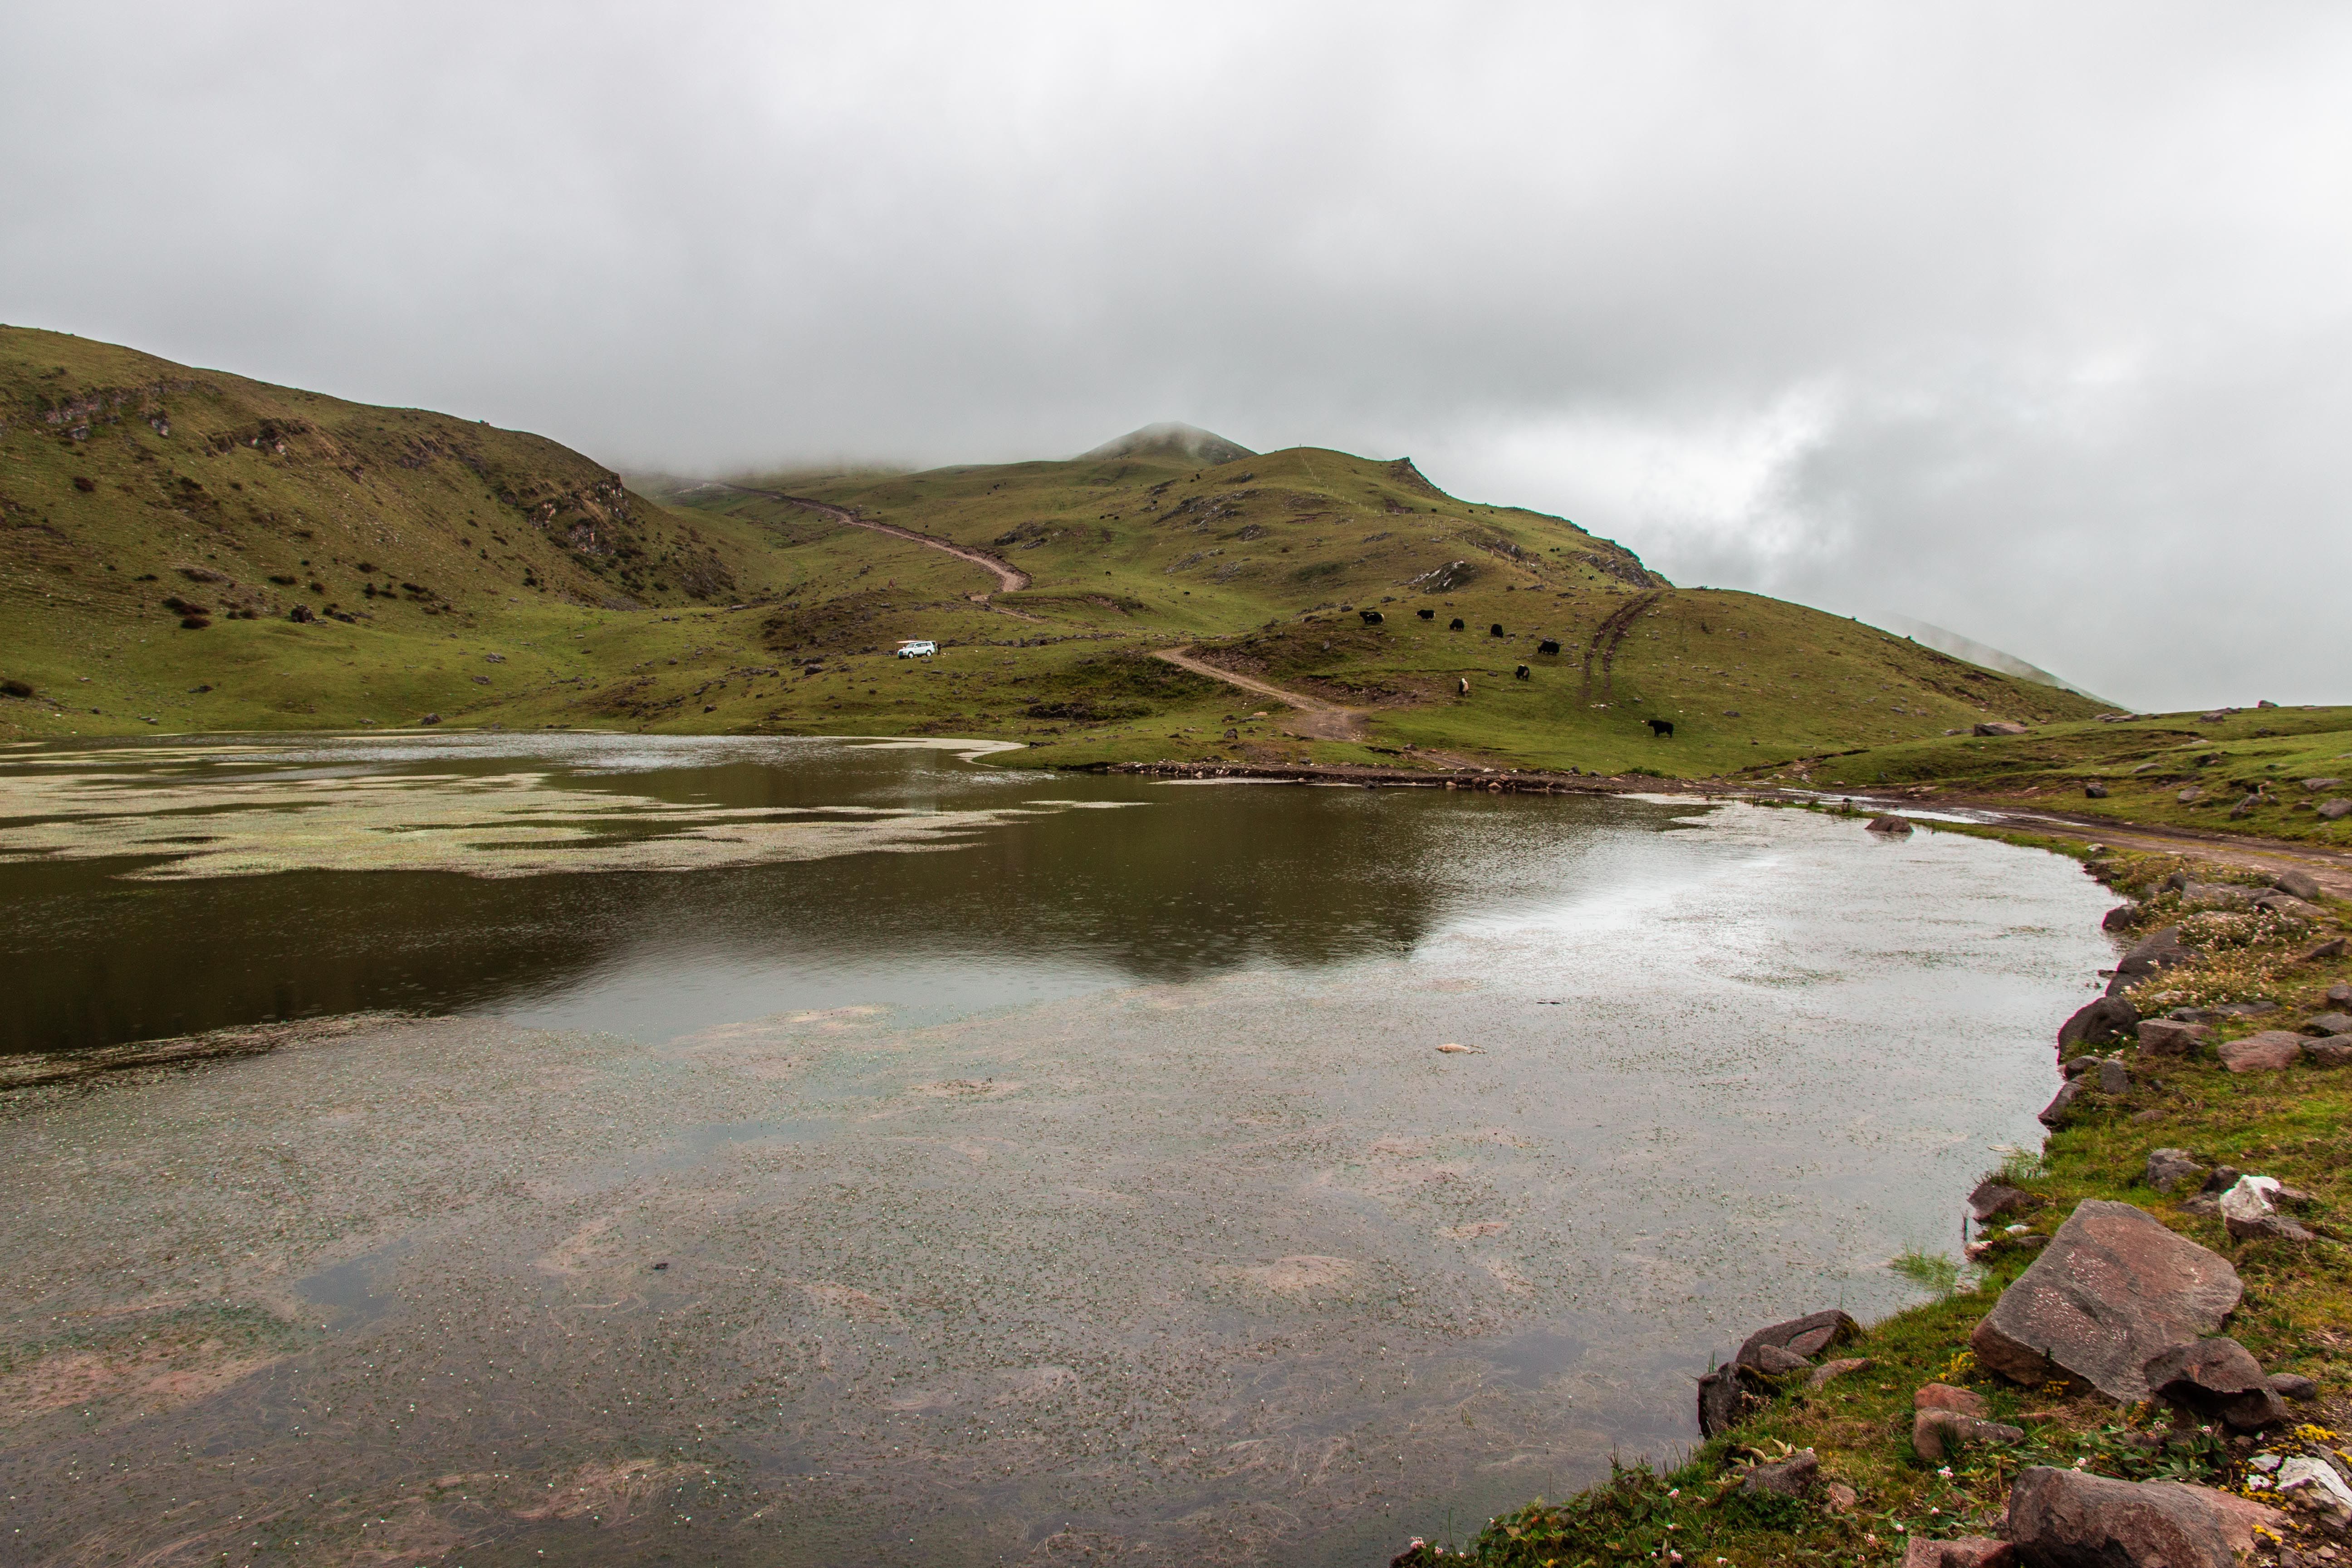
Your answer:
<point x="1873" y="1495"/>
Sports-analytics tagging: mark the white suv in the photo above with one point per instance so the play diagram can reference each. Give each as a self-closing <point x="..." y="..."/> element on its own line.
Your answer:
<point x="924" y="649"/>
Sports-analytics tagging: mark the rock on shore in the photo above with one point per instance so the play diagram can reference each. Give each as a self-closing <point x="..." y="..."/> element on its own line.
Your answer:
<point x="2065" y="1519"/>
<point x="2112" y="1290"/>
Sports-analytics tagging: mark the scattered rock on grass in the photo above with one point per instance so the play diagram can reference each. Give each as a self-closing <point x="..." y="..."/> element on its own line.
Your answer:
<point x="2250" y="1210"/>
<point x="1791" y="1477"/>
<point x="1729" y="1394"/>
<point x="1991" y="1200"/>
<point x="1960" y="1552"/>
<point x="2329" y="1023"/>
<point x="2065" y="1519"/>
<point x="2219" y="1379"/>
<point x="2290" y="907"/>
<point x="2158" y="950"/>
<point x="2273" y="1050"/>
<point x="1937" y="1436"/>
<point x="2120" y="918"/>
<point x="2333" y="1052"/>
<point x="2170" y="1169"/>
<point x="1944" y="1396"/>
<point x="2292" y="1385"/>
<point x="2302" y="884"/>
<point x="1725" y="1400"/>
<point x="2111" y="1290"/>
<point x="1831" y="1370"/>
<point x="2108" y="1018"/>
<point x="2000" y="726"/>
<point x="1807" y="1336"/>
<point x="2313" y="1484"/>
<point x="2335" y="810"/>
<point x="2062" y="1104"/>
<point x="2171" y="1038"/>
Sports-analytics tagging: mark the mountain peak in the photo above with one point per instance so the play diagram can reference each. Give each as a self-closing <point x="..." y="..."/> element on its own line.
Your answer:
<point x="1172" y="439"/>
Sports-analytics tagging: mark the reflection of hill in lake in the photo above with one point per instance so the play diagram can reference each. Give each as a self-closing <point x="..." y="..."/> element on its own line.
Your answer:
<point x="1174" y="883"/>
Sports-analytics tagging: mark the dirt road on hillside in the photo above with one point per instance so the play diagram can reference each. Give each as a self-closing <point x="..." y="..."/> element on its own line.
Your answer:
<point x="1009" y="577"/>
<point x="1321" y="719"/>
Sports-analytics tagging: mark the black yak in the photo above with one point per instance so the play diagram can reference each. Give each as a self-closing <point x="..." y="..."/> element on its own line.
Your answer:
<point x="1661" y="729"/>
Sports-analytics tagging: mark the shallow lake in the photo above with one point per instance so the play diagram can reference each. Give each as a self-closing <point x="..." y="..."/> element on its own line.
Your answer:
<point x="820" y="1152"/>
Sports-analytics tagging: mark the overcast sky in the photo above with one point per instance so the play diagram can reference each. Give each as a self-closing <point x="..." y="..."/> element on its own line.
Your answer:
<point x="2031" y="320"/>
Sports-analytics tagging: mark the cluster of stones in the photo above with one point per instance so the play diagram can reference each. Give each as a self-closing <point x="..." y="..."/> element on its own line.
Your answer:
<point x="2113" y="1301"/>
<point x="2324" y="1040"/>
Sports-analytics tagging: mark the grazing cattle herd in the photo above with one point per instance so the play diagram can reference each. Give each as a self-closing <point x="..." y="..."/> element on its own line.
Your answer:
<point x="1660" y="729"/>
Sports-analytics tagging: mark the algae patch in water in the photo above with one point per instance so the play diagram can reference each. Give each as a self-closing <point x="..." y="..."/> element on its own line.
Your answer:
<point x="507" y="825"/>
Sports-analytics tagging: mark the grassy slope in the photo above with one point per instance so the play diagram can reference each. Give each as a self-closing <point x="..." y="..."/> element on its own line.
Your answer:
<point x="2144" y="765"/>
<point x="126" y="481"/>
<point x="1264" y="564"/>
<point x="607" y="608"/>
<point x="2293" y="1125"/>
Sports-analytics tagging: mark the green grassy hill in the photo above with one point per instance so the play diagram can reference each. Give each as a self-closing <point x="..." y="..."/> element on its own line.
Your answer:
<point x="1264" y="565"/>
<point x="186" y="550"/>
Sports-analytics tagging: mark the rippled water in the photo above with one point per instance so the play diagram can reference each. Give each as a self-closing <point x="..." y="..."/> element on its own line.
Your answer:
<point x="1068" y="1185"/>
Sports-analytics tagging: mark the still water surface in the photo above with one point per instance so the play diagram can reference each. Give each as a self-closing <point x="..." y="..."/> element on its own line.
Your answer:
<point x="867" y="1154"/>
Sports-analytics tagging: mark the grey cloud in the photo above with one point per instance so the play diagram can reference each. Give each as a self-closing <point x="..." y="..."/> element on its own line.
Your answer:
<point x="2026" y="320"/>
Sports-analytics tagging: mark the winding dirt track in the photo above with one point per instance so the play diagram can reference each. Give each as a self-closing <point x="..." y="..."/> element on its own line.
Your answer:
<point x="1605" y="639"/>
<point x="1009" y="577"/>
<point x="1324" y="720"/>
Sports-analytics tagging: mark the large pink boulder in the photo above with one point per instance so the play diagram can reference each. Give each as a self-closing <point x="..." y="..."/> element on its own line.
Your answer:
<point x="2112" y="1290"/>
<point x="2065" y="1519"/>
